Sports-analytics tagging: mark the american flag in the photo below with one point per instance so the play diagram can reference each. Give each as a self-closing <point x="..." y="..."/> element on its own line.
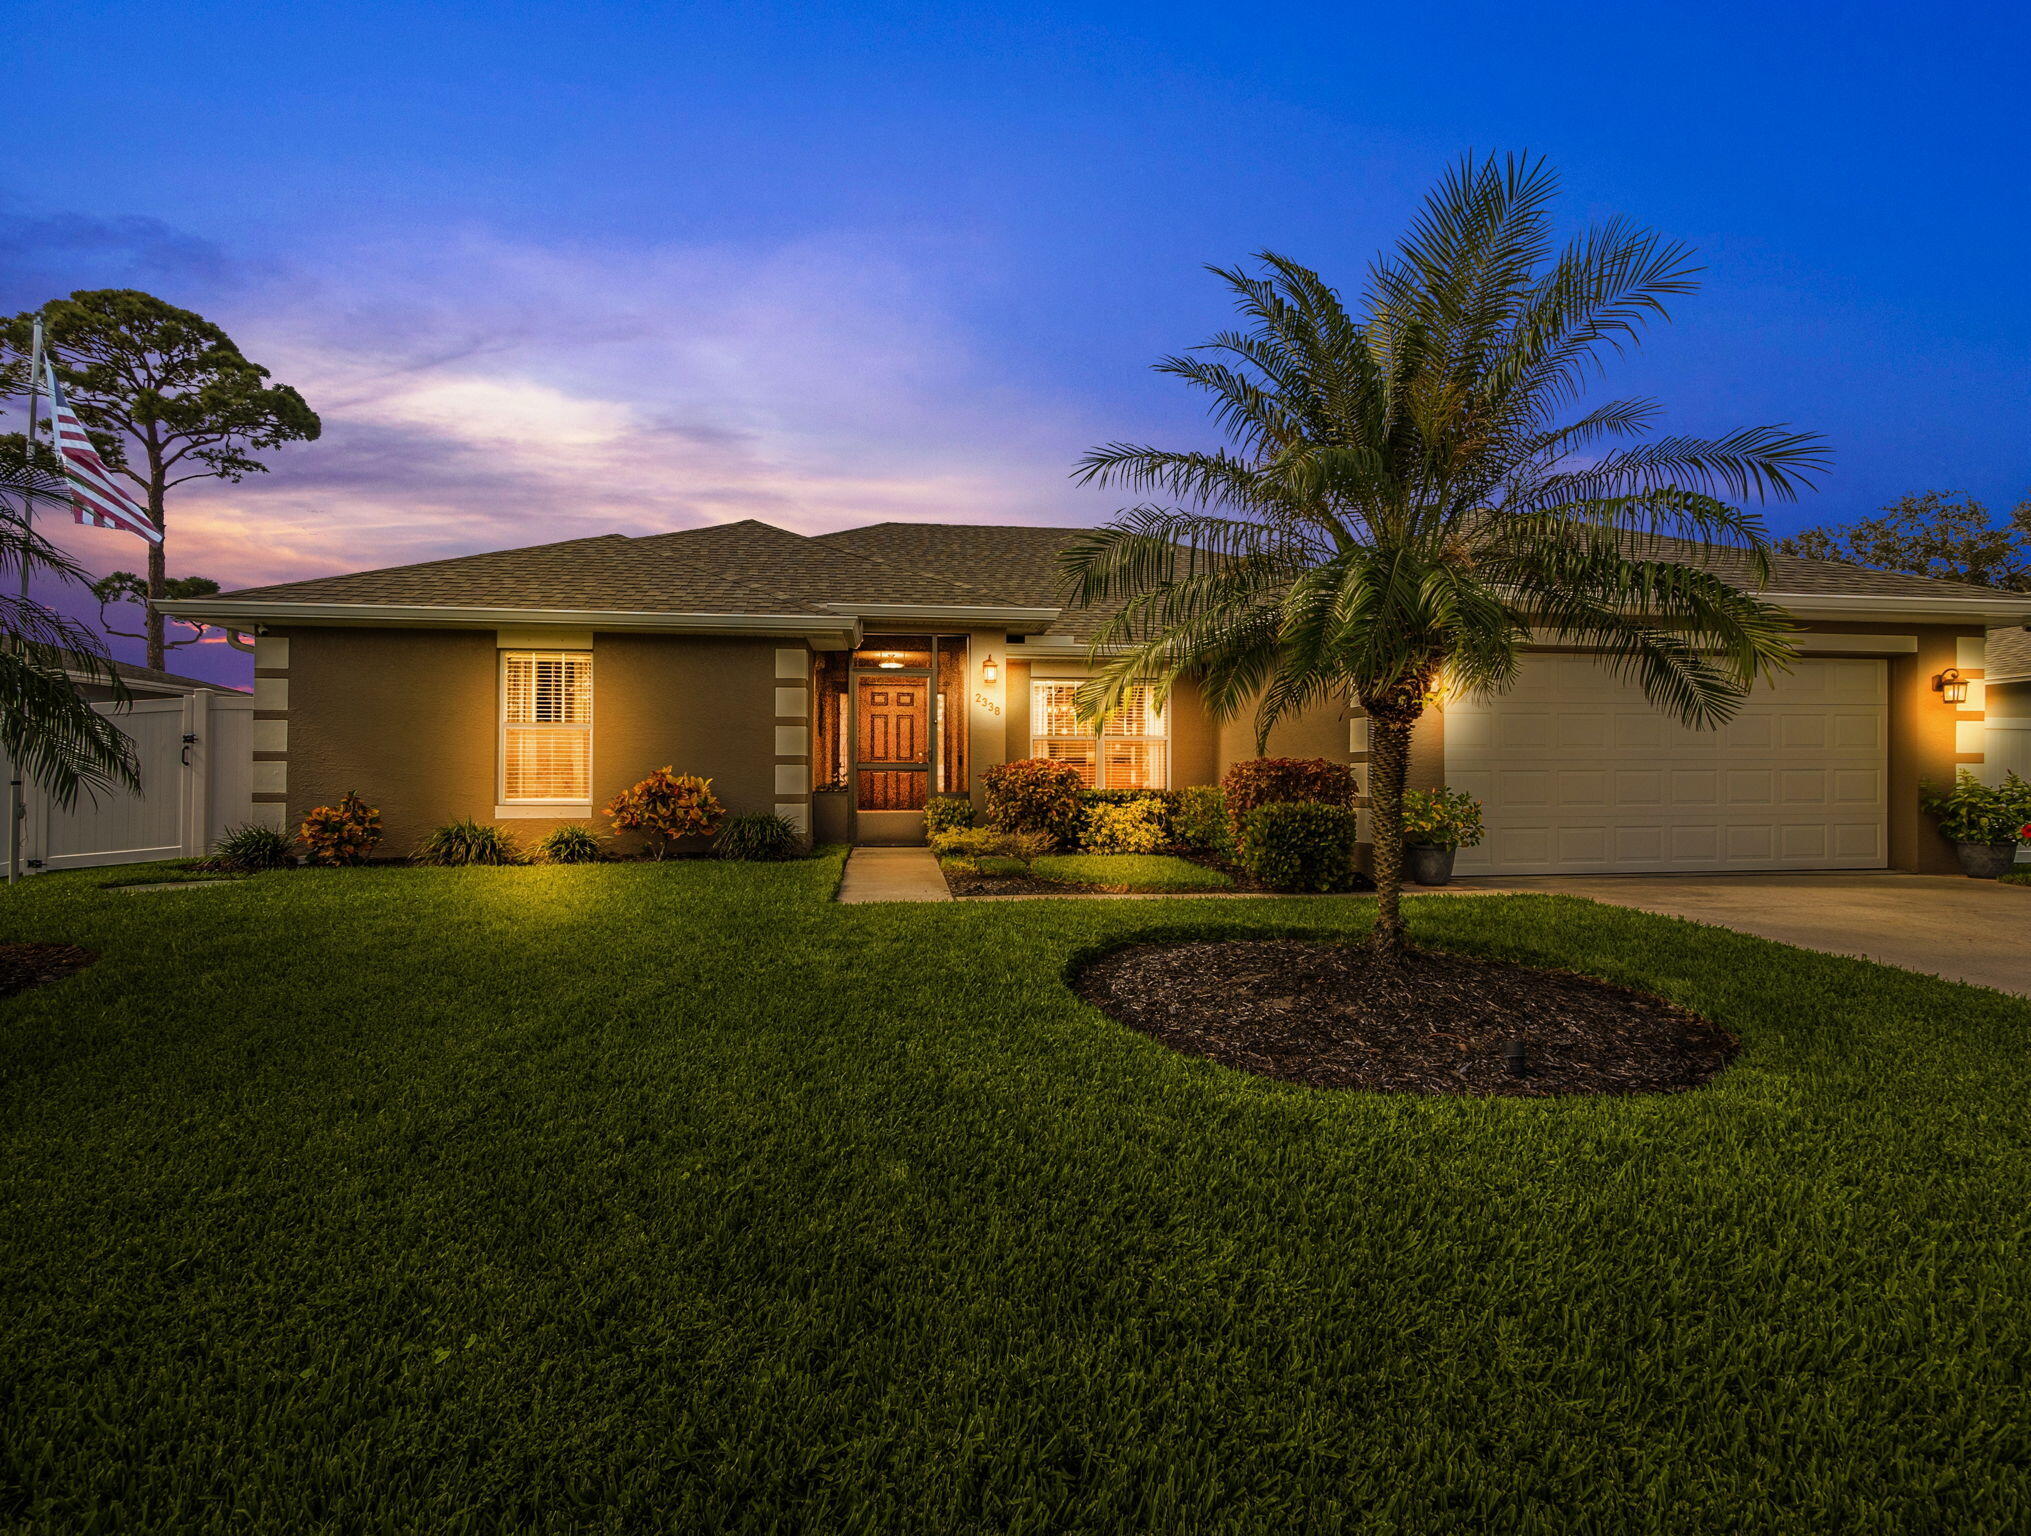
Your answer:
<point x="97" y="499"/>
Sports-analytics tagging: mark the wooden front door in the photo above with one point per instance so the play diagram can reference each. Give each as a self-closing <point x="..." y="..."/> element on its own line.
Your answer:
<point x="892" y="748"/>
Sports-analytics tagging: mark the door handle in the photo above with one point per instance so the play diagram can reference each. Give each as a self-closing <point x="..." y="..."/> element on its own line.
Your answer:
<point x="189" y="741"/>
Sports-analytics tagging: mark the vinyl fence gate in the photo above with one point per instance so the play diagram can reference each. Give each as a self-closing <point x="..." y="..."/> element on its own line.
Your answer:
<point x="197" y="778"/>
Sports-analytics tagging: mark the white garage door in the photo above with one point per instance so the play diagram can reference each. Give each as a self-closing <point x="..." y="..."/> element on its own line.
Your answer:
<point x="1579" y="775"/>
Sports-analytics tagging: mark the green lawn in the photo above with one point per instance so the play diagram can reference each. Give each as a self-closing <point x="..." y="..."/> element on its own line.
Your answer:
<point x="1130" y="872"/>
<point x="642" y="1198"/>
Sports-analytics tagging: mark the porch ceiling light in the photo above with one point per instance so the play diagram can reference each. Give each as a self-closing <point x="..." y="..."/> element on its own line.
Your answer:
<point x="1953" y="688"/>
<point x="890" y="665"/>
<point x="989" y="670"/>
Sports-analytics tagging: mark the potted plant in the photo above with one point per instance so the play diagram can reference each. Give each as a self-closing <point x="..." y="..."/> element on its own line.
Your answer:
<point x="1984" y="822"/>
<point x="1437" y="823"/>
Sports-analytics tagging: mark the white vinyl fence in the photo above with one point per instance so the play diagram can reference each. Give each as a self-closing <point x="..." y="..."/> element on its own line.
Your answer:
<point x="197" y="779"/>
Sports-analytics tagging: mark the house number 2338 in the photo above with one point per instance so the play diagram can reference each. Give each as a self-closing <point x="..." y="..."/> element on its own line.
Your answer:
<point x="982" y="701"/>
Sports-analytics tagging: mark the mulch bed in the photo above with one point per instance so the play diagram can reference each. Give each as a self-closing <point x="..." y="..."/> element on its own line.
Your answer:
<point x="1335" y="1016"/>
<point x="30" y="965"/>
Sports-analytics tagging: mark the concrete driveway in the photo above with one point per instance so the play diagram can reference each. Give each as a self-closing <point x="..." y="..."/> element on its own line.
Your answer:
<point x="1964" y="930"/>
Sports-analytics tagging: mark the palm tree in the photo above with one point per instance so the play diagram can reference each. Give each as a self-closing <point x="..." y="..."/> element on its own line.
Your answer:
<point x="62" y="745"/>
<point x="1412" y="491"/>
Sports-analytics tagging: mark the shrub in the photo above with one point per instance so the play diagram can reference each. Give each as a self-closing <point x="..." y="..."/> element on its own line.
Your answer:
<point x="945" y="813"/>
<point x="1159" y="804"/>
<point x="666" y="806"/>
<point x="757" y="836"/>
<point x="1199" y="820"/>
<point x="345" y="833"/>
<point x="459" y="843"/>
<point x="1442" y="818"/>
<point x="1134" y="827"/>
<point x="1974" y="812"/>
<point x="1299" y="845"/>
<point x="572" y="843"/>
<point x="1286" y="780"/>
<point x="1034" y="794"/>
<point x="249" y="850"/>
<point x="971" y="847"/>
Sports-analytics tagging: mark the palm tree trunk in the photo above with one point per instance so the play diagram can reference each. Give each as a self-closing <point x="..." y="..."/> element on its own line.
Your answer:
<point x="1388" y="760"/>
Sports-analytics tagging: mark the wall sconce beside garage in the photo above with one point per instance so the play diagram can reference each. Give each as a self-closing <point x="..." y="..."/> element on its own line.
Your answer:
<point x="1951" y="686"/>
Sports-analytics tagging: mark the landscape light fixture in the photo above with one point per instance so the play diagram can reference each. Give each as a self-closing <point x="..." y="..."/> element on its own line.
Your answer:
<point x="989" y="671"/>
<point x="1953" y="688"/>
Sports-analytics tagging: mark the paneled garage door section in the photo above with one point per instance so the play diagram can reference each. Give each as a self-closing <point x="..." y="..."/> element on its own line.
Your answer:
<point x="1580" y="776"/>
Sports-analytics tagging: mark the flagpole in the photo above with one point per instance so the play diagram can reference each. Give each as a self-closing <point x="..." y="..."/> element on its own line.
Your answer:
<point x="17" y="800"/>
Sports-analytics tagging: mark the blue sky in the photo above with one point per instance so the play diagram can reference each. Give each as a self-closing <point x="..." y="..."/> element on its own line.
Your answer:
<point x="551" y="270"/>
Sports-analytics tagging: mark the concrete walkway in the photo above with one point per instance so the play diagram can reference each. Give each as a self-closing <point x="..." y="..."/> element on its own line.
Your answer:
<point x="1964" y="930"/>
<point x="893" y="874"/>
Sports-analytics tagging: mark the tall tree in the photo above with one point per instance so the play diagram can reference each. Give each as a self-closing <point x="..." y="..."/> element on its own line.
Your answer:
<point x="1930" y="533"/>
<point x="1404" y="499"/>
<point x="167" y="397"/>
<point x="47" y="728"/>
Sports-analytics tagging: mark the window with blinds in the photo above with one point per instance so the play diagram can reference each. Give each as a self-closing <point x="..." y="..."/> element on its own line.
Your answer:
<point x="546" y="725"/>
<point x="1130" y="753"/>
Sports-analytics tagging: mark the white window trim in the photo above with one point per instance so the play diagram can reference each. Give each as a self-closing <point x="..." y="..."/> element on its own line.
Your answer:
<point x="1159" y="732"/>
<point x="504" y="808"/>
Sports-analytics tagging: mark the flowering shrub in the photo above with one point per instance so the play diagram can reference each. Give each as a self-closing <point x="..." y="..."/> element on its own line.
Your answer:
<point x="667" y="806"/>
<point x="1298" y="845"/>
<point x="1974" y="812"/>
<point x="1134" y="826"/>
<point x="340" y="834"/>
<point x="1034" y="794"/>
<point x="1199" y="820"/>
<point x="1442" y="818"/>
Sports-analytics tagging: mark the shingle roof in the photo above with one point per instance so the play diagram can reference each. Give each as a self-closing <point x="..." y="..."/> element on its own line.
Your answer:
<point x="752" y="567"/>
<point x="1020" y="564"/>
<point x="2009" y="657"/>
<point x="744" y="567"/>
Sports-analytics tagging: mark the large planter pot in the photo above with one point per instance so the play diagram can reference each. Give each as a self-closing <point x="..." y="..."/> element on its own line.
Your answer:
<point x="1428" y="865"/>
<point x="1985" y="861"/>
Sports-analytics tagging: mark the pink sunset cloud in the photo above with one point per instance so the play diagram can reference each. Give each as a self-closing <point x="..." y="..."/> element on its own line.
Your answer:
<point x="480" y="395"/>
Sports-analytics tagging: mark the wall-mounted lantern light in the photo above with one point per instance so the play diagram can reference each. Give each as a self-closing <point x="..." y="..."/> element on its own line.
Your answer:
<point x="989" y="671"/>
<point x="1953" y="688"/>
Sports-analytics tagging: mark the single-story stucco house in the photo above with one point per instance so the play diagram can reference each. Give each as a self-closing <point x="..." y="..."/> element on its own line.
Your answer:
<point x="842" y="678"/>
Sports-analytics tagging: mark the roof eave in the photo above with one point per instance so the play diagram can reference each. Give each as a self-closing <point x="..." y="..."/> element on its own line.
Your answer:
<point x="256" y="614"/>
<point x="961" y="615"/>
<point x="2003" y="608"/>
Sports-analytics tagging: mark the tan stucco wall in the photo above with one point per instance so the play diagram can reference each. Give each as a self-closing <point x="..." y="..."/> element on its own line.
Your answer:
<point x="407" y="717"/>
<point x="1924" y="743"/>
<point x="410" y="718"/>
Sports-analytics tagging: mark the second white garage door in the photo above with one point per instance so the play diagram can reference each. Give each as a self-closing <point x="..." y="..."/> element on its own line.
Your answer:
<point x="1579" y="775"/>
